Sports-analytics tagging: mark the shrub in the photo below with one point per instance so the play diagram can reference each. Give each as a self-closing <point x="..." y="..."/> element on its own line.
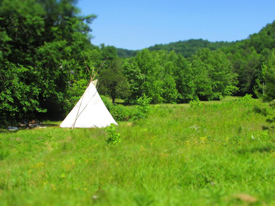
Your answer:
<point x="143" y="108"/>
<point x="121" y="113"/>
<point x="113" y="135"/>
<point x="195" y="103"/>
<point x="271" y="114"/>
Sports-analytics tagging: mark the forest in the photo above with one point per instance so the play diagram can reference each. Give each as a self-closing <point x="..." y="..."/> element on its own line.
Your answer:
<point x="47" y="60"/>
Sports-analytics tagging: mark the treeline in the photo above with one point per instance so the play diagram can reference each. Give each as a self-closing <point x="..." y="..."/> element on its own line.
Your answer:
<point x="190" y="47"/>
<point x="185" y="48"/>
<point x="220" y="69"/>
<point x="245" y="67"/>
<point x="170" y="78"/>
<point x="47" y="60"/>
<point x="126" y="53"/>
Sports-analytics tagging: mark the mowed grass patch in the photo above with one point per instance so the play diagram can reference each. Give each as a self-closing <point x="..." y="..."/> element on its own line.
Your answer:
<point x="203" y="154"/>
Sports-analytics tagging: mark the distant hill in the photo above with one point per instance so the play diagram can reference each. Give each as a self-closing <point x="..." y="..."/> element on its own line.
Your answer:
<point x="186" y="48"/>
<point x="189" y="47"/>
<point x="125" y="53"/>
<point x="262" y="41"/>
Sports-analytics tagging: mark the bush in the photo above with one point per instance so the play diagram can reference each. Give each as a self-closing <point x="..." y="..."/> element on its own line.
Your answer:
<point x="195" y="103"/>
<point x="119" y="112"/>
<point x="113" y="135"/>
<point x="143" y="108"/>
<point x="271" y="115"/>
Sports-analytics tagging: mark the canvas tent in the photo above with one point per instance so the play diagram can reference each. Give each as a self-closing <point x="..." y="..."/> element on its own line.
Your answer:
<point x="89" y="111"/>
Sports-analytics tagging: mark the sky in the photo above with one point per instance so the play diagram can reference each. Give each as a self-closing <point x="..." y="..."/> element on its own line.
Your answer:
<point x="139" y="24"/>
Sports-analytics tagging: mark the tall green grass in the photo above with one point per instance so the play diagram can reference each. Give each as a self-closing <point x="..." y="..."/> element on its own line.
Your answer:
<point x="203" y="154"/>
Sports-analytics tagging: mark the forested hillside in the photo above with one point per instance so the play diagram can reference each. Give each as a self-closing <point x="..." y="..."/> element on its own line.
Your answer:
<point x="190" y="47"/>
<point x="47" y="60"/>
<point x="126" y="53"/>
<point x="248" y="57"/>
<point x="186" y="48"/>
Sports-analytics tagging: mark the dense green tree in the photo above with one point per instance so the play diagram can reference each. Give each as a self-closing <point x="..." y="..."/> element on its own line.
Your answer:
<point x="158" y="68"/>
<point x="113" y="82"/>
<point x="152" y="84"/>
<point x="42" y="43"/>
<point x="135" y="78"/>
<point x="268" y="80"/>
<point x="108" y="52"/>
<point x="184" y="79"/>
<point x="218" y="69"/>
<point x="168" y="62"/>
<point x="170" y="93"/>
<point x="201" y="80"/>
<point x="246" y="63"/>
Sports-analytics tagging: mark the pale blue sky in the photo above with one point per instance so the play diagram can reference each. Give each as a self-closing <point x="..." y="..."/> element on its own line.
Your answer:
<point x="138" y="24"/>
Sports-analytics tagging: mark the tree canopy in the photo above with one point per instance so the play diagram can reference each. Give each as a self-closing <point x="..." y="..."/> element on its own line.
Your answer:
<point x="43" y="44"/>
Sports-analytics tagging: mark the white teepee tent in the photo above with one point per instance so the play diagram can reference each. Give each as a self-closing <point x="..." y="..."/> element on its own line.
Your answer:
<point x="89" y="111"/>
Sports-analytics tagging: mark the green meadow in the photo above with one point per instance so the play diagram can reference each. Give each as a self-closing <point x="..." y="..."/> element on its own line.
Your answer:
<point x="203" y="153"/>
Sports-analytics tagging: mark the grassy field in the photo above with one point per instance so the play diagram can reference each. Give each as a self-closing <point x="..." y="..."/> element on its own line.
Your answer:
<point x="203" y="154"/>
